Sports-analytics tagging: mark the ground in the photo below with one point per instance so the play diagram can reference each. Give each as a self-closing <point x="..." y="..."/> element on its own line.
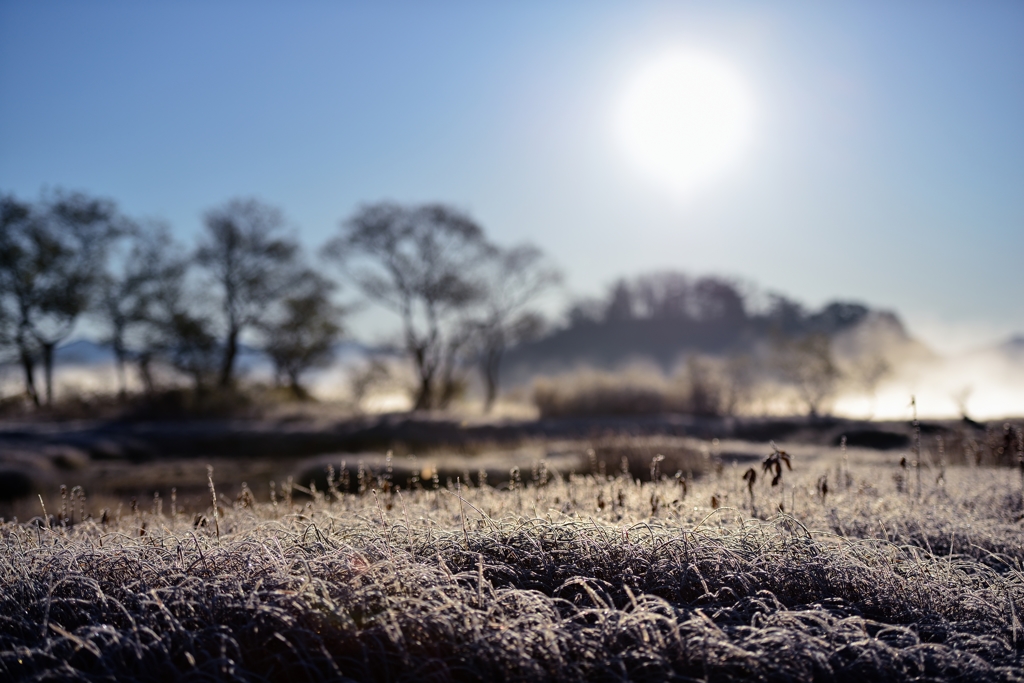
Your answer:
<point x="853" y="567"/>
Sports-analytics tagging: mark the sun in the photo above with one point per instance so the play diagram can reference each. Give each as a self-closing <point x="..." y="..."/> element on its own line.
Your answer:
<point x="684" y="118"/>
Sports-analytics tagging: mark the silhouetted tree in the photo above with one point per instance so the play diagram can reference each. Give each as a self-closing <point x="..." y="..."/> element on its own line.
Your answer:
<point x="251" y="264"/>
<point x="152" y="314"/>
<point x="515" y="277"/>
<point x="128" y="299"/>
<point x="451" y="381"/>
<point x="191" y="345"/>
<point x="785" y="316"/>
<point x="836" y="316"/>
<point x="301" y="333"/>
<point x="6" y="330"/>
<point x="705" y="390"/>
<point x="620" y="303"/>
<point x="14" y="216"/>
<point x="665" y="296"/>
<point x="738" y="379"/>
<point x="867" y="372"/>
<point x="718" y="300"/>
<point x="422" y="262"/>
<point x="8" y="346"/>
<point x="177" y="328"/>
<point x="662" y="296"/>
<point x="172" y="324"/>
<point x="585" y="311"/>
<point x="52" y="259"/>
<point x="807" y="364"/>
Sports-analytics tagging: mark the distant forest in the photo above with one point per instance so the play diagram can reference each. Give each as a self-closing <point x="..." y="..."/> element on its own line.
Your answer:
<point x="666" y="315"/>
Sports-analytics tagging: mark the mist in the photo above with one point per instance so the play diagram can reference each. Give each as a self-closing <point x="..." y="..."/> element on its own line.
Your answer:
<point x="986" y="384"/>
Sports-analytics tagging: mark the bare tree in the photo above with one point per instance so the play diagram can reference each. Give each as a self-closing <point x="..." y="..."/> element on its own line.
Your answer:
<point x="152" y="312"/>
<point x="621" y="303"/>
<point x="8" y="346"/>
<point x="171" y="323"/>
<point x="251" y="264"/>
<point x="585" y="311"/>
<point x="515" y="278"/>
<point x="718" y="300"/>
<point x="705" y="396"/>
<point x="738" y="379"/>
<point x="6" y="330"/>
<point x="177" y="327"/>
<point x="422" y="262"/>
<point x="51" y="260"/>
<point x="128" y="298"/>
<point x="785" y="316"/>
<point x="663" y="296"/>
<point x="807" y="363"/>
<point x="14" y="216"/>
<point x="190" y="345"/>
<point x="375" y="373"/>
<point x="303" y="330"/>
<point x="867" y="372"/>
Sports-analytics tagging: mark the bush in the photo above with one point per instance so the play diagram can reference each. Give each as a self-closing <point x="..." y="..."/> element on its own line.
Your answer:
<point x="594" y="392"/>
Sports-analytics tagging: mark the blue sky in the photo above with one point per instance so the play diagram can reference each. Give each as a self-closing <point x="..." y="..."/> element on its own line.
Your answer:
<point x="885" y="163"/>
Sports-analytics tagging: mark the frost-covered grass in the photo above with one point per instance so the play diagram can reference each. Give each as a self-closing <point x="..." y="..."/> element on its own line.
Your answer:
<point x="581" y="579"/>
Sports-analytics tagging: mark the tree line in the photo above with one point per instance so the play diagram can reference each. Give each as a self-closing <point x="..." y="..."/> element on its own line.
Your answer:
<point x="461" y="298"/>
<point x="732" y="336"/>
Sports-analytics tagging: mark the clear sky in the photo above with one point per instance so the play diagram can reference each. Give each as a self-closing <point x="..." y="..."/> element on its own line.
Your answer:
<point x="881" y="157"/>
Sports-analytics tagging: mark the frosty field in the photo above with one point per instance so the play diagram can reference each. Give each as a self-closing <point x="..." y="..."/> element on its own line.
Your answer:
<point x="550" y="577"/>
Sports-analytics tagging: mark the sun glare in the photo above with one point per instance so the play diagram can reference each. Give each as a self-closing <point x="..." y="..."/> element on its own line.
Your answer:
<point x="683" y="119"/>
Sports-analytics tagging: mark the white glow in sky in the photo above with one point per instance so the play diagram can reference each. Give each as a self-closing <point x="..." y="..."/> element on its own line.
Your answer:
<point x="684" y="118"/>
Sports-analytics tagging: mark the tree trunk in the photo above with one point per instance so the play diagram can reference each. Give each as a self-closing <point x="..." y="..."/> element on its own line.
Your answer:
<point x="48" y="369"/>
<point x="446" y="389"/>
<point x="146" y="373"/>
<point x="28" y="364"/>
<point x="492" y="369"/>
<point x="121" y="356"/>
<point x="297" y="389"/>
<point x="449" y="387"/>
<point x="424" y="394"/>
<point x="227" y="369"/>
<point x="198" y="385"/>
<point x="449" y="390"/>
<point x="424" y="397"/>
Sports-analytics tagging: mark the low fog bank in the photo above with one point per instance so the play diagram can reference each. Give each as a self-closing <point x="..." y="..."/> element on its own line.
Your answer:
<point x="359" y="377"/>
<point x="984" y="384"/>
<point x="878" y="369"/>
<point x="659" y="343"/>
<point x="870" y="370"/>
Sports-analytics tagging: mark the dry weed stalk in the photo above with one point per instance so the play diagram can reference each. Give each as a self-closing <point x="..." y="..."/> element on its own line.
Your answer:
<point x="917" y="447"/>
<point x="750" y="476"/>
<point x="213" y="500"/>
<point x="774" y="461"/>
